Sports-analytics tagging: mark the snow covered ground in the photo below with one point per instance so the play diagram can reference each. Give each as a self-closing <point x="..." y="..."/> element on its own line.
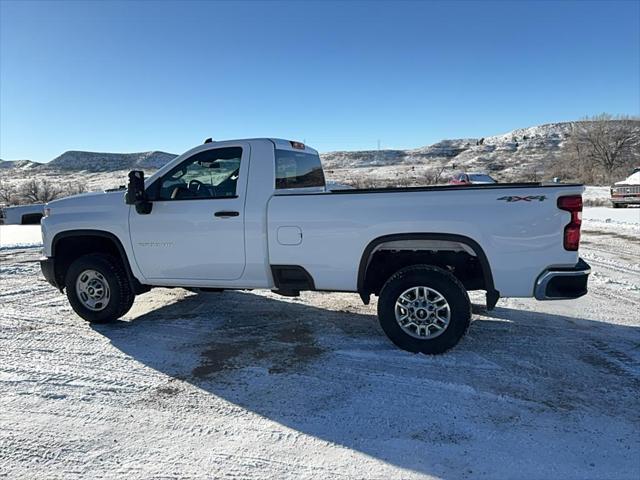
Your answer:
<point x="16" y="236"/>
<point x="624" y="218"/>
<point x="597" y="195"/>
<point x="253" y="385"/>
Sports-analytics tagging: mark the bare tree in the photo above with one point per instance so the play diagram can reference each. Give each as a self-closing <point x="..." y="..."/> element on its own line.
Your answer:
<point x="72" y="188"/>
<point x="435" y="175"/>
<point x="7" y="192"/>
<point x="531" y="174"/>
<point x="605" y="144"/>
<point x="29" y="191"/>
<point x="34" y="191"/>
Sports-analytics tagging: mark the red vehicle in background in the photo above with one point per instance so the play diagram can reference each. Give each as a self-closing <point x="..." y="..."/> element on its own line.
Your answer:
<point x="471" y="178"/>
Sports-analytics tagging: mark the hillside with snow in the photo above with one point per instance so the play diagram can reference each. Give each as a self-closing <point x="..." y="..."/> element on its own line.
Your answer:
<point x="525" y="154"/>
<point x="109" y="162"/>
<point x="517" y="155"/>
<point x="80" y="161"/>
<point x="18" y="164"/>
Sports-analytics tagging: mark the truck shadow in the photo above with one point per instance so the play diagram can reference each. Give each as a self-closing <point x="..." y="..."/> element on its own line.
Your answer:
<point x="333" y="375"/>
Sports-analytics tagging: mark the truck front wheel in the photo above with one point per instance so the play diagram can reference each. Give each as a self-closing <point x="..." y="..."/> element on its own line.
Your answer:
<point x="98" y="289"/>
<point x="424" y="309"/>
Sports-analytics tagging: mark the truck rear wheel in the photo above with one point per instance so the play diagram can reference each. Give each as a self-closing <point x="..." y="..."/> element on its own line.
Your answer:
<point x="424" y="309"/>
<point x="98" y="289"/>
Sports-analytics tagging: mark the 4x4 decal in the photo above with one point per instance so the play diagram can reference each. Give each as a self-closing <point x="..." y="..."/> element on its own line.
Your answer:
<point x="528" y="198"/>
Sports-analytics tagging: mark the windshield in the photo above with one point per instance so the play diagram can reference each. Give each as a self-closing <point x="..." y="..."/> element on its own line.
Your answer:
<point x="480" y="177"/>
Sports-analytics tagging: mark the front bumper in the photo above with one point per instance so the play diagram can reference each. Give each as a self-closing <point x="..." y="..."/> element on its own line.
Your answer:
<point x="47" y="265"/>
<point x="631" y="200"/>
<point x="563" y="283"/>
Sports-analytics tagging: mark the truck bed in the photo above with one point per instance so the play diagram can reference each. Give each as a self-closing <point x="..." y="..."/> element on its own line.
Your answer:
<point x="518" y="225"/>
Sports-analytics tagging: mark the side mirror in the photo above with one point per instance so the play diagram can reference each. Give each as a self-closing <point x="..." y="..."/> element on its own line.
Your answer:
<point x="135" y="187"/>
<point x="136" y="194"/>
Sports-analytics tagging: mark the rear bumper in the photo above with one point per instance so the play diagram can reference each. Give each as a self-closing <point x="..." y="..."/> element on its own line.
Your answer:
<point x="48" y="270"/>
<point x="563" y="283"/>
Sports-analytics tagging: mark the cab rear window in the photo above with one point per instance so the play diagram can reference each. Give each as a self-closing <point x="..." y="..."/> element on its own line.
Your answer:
<point x="298" y="170"/>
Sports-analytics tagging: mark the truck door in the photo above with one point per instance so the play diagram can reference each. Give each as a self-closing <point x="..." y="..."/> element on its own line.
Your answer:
<point x="195" y="230"/>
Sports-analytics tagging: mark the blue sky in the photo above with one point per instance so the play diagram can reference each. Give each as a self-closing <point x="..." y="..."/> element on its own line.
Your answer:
<point x="125" y="76"/>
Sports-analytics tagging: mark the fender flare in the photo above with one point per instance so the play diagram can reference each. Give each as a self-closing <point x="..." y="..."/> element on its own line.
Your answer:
<point x="492" y="294"/>
<point x="135" y="283"/>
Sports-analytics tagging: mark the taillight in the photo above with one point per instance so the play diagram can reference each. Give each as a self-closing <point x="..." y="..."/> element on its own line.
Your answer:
<point x="573" y="205"/>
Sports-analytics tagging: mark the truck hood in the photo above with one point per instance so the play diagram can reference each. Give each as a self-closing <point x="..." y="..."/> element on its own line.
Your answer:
<point x="630" y="180"/>
<point x="88" y="201"/>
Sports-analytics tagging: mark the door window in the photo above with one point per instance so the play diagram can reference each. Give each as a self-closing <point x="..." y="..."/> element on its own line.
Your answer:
<point x="205" y="175"/>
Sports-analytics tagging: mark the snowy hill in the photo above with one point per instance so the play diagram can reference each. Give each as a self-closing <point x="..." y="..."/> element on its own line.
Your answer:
<point x="444" y="149"/>
<point x="108" y="162"/>
<point x="518" y="148"/>
<point x="521" y="154"/>
<point x="18" y="164"/>
<point x="524" y="154"/>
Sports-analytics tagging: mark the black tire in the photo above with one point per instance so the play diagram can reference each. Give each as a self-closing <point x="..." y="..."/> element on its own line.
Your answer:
<point x="121" y="295"/>
<point x="437" y="279"/>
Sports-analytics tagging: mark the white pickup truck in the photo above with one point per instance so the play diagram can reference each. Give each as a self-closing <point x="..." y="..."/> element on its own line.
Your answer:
<point x="256" y="214"/>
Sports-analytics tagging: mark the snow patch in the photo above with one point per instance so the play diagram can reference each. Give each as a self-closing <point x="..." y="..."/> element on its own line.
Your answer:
<point x="20" y="236"/>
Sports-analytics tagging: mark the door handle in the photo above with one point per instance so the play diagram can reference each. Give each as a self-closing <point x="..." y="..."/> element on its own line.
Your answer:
<point x="226" y="214"/>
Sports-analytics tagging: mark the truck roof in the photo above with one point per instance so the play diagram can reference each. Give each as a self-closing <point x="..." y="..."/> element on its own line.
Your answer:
<point x="279" y="143"/>
<point x="283" y="144"/>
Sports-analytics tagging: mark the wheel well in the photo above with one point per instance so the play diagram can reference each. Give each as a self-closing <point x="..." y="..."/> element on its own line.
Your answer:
<point x="459" y="255"/>
<point x="69" y="246"/>
<point x="31" y="219"/>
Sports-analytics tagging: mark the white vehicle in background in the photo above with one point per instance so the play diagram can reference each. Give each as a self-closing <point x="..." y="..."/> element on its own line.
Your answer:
<point x="22" y="214"/>
<point x="256" y="214"/>
<point x="627" y="191"/>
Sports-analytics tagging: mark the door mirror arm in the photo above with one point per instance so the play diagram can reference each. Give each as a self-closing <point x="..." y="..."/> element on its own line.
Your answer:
<point x="136" y="194"/>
